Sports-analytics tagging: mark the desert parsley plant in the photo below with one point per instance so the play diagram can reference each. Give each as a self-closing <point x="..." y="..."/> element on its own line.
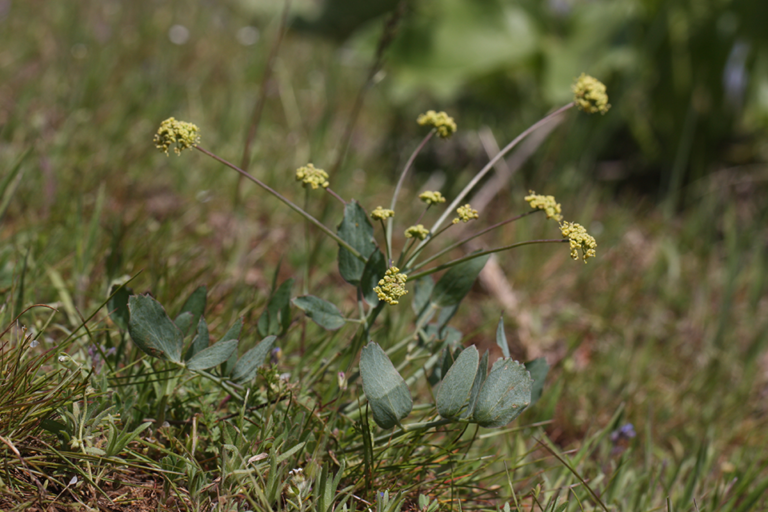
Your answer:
<point x="469" y="389"/>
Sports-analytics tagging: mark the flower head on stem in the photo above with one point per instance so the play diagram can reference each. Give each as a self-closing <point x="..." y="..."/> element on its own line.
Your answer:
<point x="432" y="197"/>
<point x="546" y="203"/>
<point x="179" y="134"/>
<point x="418" y="231"/>
<point x="391" y="286"/>
<point x="466" y="213"/>
<point x="312" y="176"/>
<point x="380" y="213"/>
<point x="589" y="95"/>
<point x="579" y="239"/>
<point x="442" y="122"/>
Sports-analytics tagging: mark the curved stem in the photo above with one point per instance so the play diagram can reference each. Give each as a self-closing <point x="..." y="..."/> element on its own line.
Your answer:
<point x="483" y="253"/>
<point x="337" y="196"/>
<point x="286" y="201"/>
<point x="493" y="161"/>
<point x="470" y="238"/>
<point x="407" y="167"/>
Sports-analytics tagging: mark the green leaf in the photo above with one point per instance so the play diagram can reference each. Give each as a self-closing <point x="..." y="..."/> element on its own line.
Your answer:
<point x="501" y="338"/>
<point x="454" y="392"/>
<point x="421" y="293"/>
<point x="538" y="368"/>
<point x="200" y="341"/>
<point x="457" y="282"/>
<point x="276" y="318"/>
<point x="184" y="321"/>
<point x="322" y="312"/>
<point x="445" y="315"/>
<point x="232" y="334"/>
<point x="482" y="373"/>
<point x="249" y="363"/>
<point x="384" y="387"/>
<point x="213" y="355"/>
<point x="195" y="304"/>
<point x="374" y="270"/>
<point x="504" y="394"/>
<point x="118" y="306"/>
<point x="357" y="231"/>
<point x="152" y="330"/>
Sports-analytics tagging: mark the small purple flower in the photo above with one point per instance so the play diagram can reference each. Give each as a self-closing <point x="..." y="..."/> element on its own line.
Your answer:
<point x="623" y="434"/>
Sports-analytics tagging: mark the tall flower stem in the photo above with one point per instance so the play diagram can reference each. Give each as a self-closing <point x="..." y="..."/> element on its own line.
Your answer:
<point x="469" y="238"/>
<point x="479" y="176"/>
<point x="408" y="165"/>
<point x="483" y="253"/>
<point x="325" y="229"/>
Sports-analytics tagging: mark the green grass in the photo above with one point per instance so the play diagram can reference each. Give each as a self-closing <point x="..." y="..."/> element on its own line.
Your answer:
<point x="665" y="329"/>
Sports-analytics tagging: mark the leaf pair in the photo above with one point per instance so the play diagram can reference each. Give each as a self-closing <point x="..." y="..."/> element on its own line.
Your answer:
<point x="469" y="392"/>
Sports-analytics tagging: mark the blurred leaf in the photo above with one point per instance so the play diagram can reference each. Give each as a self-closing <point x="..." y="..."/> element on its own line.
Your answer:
<point x="501" y="338"/>
<point x="213" y="355"/>
<point x="195" y="304"/>
<point x="276" y="318"/>
<point x="200" y="341"/>
<point x="445" y="315"/>
<point x="384" y="387"/>
<point x="421" y="293"/>
<point x="538" y="368"/>
<point x="184" y="321"/>
<point x="232" y="334"/>
<point x="503" y="395"/>
<point x="457" y="282"/>
<point x="374" y="270"/>
<point x="118" y="306"/>
<point x="356" y="230"/>
<point x="322" y="312"/>
<point x="152" y="330"/>
<point x="454" y="392"/>
<point x="249" y="363"/>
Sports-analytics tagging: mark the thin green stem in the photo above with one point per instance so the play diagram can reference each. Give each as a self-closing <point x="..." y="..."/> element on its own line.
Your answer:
<point x="305" y="284"/>
<point x="482" y="253"/>
<point x="479" y="176"/>
<point x="470" y="238"/>
<point x="337" y="196"/>
<point x="287" y="202"/>
<point x="423" y="245"/>
<point x="408" y="165"/>
<point x="386" y="237"/>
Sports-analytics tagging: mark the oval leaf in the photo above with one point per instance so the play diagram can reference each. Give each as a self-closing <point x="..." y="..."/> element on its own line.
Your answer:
<point x="384" y="387"/>
<point x="482" y="373"/>
<point x="195" y="305"/>
<point x="454" y="392"/>
<point x="504" y="394"/>
<point x="538" y="368"/>
<point x="322" y="312"/>
<point x="152" y="330"/>
<point x="457" y="282"/>
<point x="232" y="334"/>
<point x="200" y="341"/>
<point x="246" y="366"/>
<point x="501" y="338"/>
<point x="213" y="355"/>
<point x="357" y="231"/>
<point x="184" y="321"/>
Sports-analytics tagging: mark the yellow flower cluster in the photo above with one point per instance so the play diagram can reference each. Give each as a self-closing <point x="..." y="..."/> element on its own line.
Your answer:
<point x="432" y="197"/>
<point x="546" y="203"/>
<point x="466" y="213"/>
<point x="418" y="231"/>
<point x="310" y="175"/>
<point x="579" y="239"/>
<point x="382" y="213"/>
<point x="442" y="122"/>
<point x="391" y="286"/>
<point x="175" y="133"/>
<point x="589" y="95"/>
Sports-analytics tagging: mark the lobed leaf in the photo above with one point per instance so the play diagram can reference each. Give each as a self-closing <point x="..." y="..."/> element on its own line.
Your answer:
<point x="385" y="389"/>
<point x="503" y="395"/>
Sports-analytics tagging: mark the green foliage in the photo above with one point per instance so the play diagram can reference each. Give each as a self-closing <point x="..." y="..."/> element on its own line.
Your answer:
<point x="357" y="231"/>
<point x="456" y="283"/>
<point x="385" y="389"/>
<point x="322" y="312"/>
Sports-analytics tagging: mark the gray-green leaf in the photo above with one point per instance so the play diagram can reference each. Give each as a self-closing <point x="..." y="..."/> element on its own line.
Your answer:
<point x="200" y="341"/>
<point x="249" y="363"/>
<point x="195" y="304"/>
<point x="504" y="395"/>
<point x="374" y="270"/>
<point x="538" y="368"/>
<point x="457" y="282"/>
<point x="357" y="231"/>
<point x="454" y="392"/>
<point x="152" y="330"/>
<point x="213" y="355"/>
<point x="118" y="306"/>
<point x="277" y="315"/>
<point x="384" y="387"/>
<point x="232" y="334"/>
<point x="482" y="373"/>
<point x="322" y="312"/>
